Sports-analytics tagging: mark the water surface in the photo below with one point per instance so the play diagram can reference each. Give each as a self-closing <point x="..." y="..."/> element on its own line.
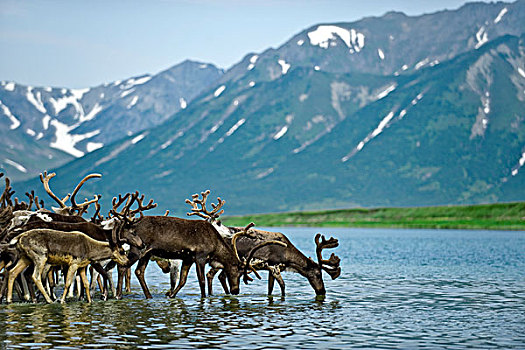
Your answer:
<point x="398" y="289"/>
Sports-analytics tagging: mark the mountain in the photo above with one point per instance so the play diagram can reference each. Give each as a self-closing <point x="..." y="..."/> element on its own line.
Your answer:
<point x="46" y="127"/>
<point x="342" y="116"/>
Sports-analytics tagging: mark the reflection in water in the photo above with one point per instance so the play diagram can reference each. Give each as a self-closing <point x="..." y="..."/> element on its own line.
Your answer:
<point x="399" y="289"/>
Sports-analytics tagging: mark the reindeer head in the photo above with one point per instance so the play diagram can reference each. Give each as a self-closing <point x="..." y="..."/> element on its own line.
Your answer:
<point x="331" y="266"/>
<point x="124" y="220"/>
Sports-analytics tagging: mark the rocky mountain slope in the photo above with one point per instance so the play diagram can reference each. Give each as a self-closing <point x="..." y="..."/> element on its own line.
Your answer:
<point x="343" y="115"/>
<point x="47" y="127"/>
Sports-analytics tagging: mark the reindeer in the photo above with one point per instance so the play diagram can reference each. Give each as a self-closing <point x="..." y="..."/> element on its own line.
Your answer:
<point x="273" y="258"/>
<point x="277" y="259"/>
<point x="74" y="249"/>
<point x="192" y="241"/>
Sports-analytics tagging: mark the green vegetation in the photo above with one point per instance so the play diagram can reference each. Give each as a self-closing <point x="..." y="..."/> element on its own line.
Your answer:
<point x="501" y="216"/>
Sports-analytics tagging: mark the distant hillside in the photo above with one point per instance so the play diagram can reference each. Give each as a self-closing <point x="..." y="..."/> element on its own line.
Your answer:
<point x="46" y="127"/>
<point x="343" y="115"/>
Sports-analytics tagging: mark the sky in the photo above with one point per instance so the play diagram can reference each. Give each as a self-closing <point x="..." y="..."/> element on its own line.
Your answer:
<point x="81" y="43"/>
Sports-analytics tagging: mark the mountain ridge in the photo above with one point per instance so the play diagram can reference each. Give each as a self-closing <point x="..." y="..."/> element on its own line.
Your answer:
<point x="276" y="136"/>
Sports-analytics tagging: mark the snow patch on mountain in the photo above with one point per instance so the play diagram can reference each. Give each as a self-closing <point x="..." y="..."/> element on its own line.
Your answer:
<point x="92" y="146"/>
<point x="134" y="81"/>
<point x="422" y="63"/>
<point x="284" y="66"/>
<point x="326" y="35"/>
<point x="133" y="102"/>
<point x="521" y="162"/>
<point x="253" y="60"/>
<point x="61" y="103"/>
<point x="219" y="91"/>
<point x="94" y="111"/>
<point x="15" y="123"/>
<point x="381" y="54"/>
<point x="378" y="130"/>
<point x="10" y="86"/>
<point x="17" y="166"/>
<point x="79" y="93"/>
<point x="127" y="92"/>
<point x="37" y="102"/>
<point x="138" y="138"/>
<point x="65" y="141"/>
<point x="280" y="133"/>
<point x="230" y="132"/>
<point x="386" y="91"/>
<point x="481" y="37"/>
<point x="45" y="122"/>
<point x="235" y="127"/>
<point x="264" y="173"/>
<point x="500" y="15"/>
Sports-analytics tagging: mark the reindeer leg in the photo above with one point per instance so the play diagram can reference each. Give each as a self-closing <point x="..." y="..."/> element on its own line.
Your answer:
<point x="280" y="280"/>
<point x="40" y="264"/>
<point x="271" y="282"/>
<point x="94" y="279"/>
<point x="185" y="268"/>
<point x="128" y="280"/>
<point x="3" y="288"/>
<point x="78" y="284"/>
<point x="108" y="268"/>
<point x="51" y="282"/>
<point x="86" y="283"/>
<point x="174" y="272"/>
<point x="25" y="285"/>
<point x="20" y="266"/>
<point x="224" y="282"/>
<point x="70" y="277"/>
<point x="18" y="287"/>
<point x="121" y="271"/>
<point x="200" y="263"/>
<point x="209" y="276"/>
<point x="105" y="276"/>
<point x="139" y="272"/>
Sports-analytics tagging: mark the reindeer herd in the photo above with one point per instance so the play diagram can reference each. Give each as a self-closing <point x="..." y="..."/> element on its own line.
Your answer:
<point x="38" y="246"/>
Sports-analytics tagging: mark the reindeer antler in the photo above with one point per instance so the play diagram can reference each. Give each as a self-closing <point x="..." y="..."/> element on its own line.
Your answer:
<point x="78" y="207"/>
<point x="203" y="211"/>
<point x="331" y="266"/>
<point x="44" y="178"/>
<point x="251" y="254"/>
<point x="5" y="199"/>
<point x="142" y="207"/>
<point x="236" y="235"/>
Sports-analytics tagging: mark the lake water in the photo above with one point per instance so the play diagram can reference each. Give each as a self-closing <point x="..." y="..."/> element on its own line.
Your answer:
<point x="398" y="289"/>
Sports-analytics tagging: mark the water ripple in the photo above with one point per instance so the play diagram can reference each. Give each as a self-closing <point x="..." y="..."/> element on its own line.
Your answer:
<point x="399" y="289"/>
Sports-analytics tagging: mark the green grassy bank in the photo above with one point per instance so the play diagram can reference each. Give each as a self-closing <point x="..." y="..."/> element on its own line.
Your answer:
<point x="501" y="216"/>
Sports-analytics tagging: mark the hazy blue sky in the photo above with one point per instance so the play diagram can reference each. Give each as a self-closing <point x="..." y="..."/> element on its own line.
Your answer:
<point x="74" y="43"/>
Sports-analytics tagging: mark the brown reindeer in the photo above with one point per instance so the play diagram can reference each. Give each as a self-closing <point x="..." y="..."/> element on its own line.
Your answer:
<point x="192" y="241"/>
<point x="74" y="249"/>
<point x="274" y="258"/>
